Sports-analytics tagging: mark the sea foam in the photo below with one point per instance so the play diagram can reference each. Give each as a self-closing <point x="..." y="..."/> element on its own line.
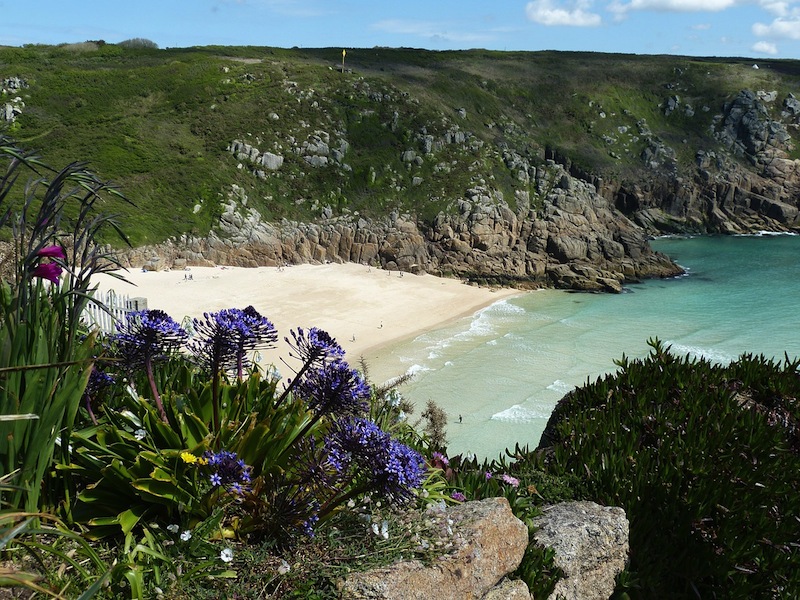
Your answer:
<point x="516" y="414"/>
<point x="562" y="387"/>
<point x="710" y="354"/>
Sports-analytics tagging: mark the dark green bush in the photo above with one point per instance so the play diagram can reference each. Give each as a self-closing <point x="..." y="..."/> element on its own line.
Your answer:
<point x="138" y="43"/>
<point x="705" y="460"/>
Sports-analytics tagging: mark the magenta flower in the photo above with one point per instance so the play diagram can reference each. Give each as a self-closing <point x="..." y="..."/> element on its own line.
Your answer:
<point x="52" y="252"/>
<point x="49" y="271"/>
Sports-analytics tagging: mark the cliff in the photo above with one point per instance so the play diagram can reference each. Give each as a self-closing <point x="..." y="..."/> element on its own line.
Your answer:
<point x="534" y="169"/>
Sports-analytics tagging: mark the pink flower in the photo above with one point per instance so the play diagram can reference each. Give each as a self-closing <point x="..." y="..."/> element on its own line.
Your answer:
<point x="512" y="481"/>
<point x="49" y="271"/>
<point x="440" y="458"/>
<point x="52" y="252"/>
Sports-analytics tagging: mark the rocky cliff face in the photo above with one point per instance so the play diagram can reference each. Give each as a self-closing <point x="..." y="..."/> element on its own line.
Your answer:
<point x="573" y="239"/>
<point x="750" y="184"/>
<point x="564" y="227"/>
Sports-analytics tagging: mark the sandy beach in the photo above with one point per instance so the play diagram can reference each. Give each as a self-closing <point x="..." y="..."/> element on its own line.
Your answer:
<point x="364" y="308"/>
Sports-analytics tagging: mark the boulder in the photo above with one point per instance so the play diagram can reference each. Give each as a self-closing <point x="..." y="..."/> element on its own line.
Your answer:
<point x="488" y="543"/>
<point x="591" y="547"/>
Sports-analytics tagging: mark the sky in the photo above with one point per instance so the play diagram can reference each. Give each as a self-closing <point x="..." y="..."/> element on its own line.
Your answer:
<point x="742" y="28"/>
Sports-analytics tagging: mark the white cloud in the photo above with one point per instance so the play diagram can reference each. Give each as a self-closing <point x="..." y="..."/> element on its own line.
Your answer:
<point x="780" y="9"/>
<point x="764" y="48"/>
<point x="575" y="14"/>
<point x="702" y="27"/>
<point x="779" y="28"/>
<point x="428" y="30"/>
<point x="673" y="5"/>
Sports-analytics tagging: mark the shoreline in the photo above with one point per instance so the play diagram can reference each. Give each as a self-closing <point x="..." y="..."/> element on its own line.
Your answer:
<point x="366" y="309"/>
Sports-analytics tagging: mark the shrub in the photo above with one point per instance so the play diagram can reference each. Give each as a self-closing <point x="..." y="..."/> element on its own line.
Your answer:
<point x="138" y="43"/>
<point x="704" y="459"/>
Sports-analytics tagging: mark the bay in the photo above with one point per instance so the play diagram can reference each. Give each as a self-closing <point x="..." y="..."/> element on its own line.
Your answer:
<point x="499" y="373"/>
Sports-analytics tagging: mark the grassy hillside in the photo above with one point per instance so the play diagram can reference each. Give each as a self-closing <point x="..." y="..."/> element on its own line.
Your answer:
<point x="159" y="122"/>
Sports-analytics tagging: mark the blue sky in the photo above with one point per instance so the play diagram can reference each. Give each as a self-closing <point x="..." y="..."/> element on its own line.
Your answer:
<point x="753" y="28"/>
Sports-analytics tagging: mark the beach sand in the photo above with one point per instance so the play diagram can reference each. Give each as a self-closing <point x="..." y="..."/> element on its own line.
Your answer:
<point x="364" y="308"/>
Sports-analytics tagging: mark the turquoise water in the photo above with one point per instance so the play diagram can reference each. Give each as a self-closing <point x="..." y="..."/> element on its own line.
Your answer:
<point x="503" y="369"/>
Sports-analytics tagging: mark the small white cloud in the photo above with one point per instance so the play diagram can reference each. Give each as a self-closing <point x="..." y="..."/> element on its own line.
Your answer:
<point x="780" y="28"/>
<point x="674" y="5"/>
<point x="575" y="14"/>
<point x="702" y="27"/>
<point x="780" y="9"/>
<point x="764" y="48"/>
<point x="428" y="30"/>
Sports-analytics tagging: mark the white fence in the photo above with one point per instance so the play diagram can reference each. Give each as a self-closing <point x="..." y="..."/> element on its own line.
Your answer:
<point x="117" y="306"/>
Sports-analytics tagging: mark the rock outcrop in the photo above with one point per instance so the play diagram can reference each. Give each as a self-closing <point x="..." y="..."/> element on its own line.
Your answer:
<point x="590" y="543"/>
<point x="488" y="543"/>
<point x="750" y="184"/>
<point x="569" y="237"/>
<point x="591" y="547"/>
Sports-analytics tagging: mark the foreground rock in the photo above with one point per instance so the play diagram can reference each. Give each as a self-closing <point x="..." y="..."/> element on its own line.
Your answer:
<point x="488" y="543"/>
<point x="591" y="547"/>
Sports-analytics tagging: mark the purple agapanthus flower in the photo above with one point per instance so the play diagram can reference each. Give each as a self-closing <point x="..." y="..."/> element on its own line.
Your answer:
<point x="229" y="471"/>
<point x="227" y="336"/>
<point x="458" y="496"/>
<point x="98" y="381"/>
<point x="147" y="335"/>
<point x="314" y="345"/>
<point x="359" y="448"/>
<point x="334" y="388"/>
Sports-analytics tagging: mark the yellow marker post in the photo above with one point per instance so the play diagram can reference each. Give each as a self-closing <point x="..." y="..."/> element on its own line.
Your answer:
<point x="344" y="53"/>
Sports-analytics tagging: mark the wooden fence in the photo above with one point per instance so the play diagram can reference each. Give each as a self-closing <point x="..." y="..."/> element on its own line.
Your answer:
<point x="117" y="306"/>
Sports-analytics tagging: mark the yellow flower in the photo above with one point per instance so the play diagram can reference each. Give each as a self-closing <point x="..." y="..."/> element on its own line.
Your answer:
<point x="188" y="458"/>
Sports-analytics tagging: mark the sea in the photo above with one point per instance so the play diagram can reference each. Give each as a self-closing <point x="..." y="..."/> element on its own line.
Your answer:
<point x="499" y="373"/>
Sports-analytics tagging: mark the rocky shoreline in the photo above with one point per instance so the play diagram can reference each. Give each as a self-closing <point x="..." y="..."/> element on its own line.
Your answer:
<point x="575" y="239"/>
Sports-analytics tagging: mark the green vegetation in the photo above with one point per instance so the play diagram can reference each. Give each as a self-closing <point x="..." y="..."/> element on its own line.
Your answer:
<point x="119" y="490"/>
<point x="705" y="460"/>
<point x="159" y="121"/>
<point x="167" y="460"/>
